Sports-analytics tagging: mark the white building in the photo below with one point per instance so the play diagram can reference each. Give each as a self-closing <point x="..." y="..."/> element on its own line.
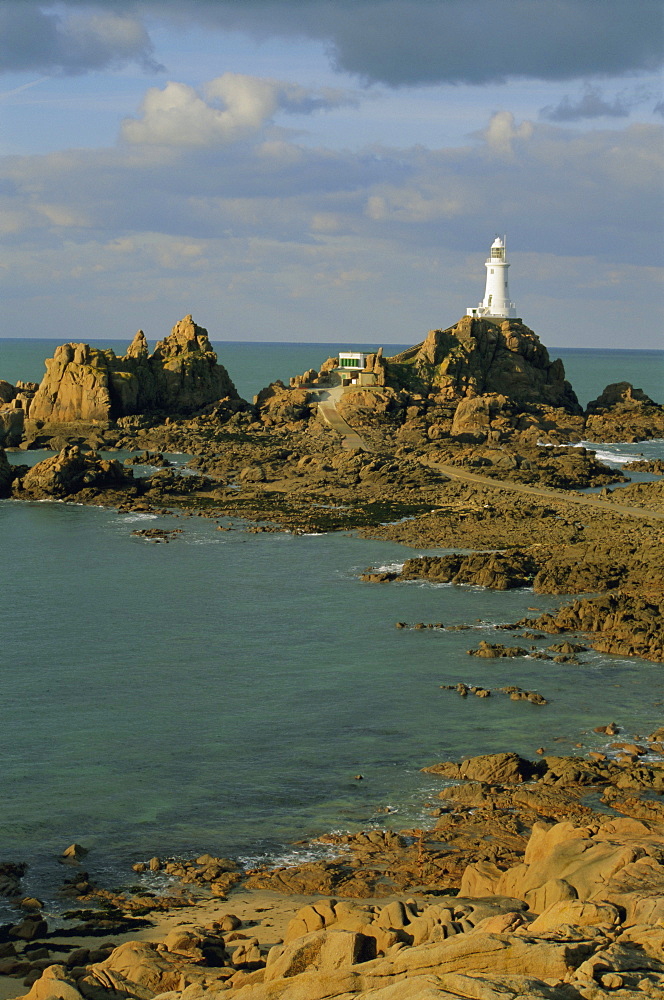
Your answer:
<point x="352" y="360"/>
<point x="496" y="302"/>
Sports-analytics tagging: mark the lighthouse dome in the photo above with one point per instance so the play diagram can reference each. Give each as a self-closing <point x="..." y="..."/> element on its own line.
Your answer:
<point x="497" y="249"/>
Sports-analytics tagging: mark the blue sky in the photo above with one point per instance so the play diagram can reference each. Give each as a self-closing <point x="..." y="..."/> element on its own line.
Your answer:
<point x="329" y="169"/>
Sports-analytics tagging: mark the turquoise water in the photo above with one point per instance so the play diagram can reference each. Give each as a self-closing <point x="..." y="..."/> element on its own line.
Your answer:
<point x="254" y="365"/>
<point x="221" y="692"/>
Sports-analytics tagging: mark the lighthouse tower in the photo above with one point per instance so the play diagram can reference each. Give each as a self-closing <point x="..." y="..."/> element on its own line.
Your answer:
<point x="496" y="302"/>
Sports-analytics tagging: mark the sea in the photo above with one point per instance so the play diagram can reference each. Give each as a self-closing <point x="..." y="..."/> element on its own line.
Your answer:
<point x="239" y="693"/>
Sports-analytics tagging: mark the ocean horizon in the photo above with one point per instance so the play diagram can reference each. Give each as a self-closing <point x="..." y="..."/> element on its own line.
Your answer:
<point x="252" y="365"/>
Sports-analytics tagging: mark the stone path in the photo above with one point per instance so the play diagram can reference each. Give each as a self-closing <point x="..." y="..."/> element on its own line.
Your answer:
<point x="607" y="506"/>
<point x="327" y="407"/>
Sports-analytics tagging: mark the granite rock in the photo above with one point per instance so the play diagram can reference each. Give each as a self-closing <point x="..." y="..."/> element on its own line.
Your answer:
<point x="83" y="383"/>
<point x="623" y="413"/>
<point x="69" y="472"/>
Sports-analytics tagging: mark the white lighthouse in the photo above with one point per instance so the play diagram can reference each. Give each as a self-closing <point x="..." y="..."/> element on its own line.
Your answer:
<point x="496" y="302"/>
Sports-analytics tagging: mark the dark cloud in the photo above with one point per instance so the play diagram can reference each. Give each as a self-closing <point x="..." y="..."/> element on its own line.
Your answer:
<point x="591" y="104"/>
<point x="397" y="42"/>
<point x="38" y="38"/>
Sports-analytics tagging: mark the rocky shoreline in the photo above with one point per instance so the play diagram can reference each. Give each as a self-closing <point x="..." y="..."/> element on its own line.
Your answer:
<point x="539" y="878"/>
<point x="562" y="899"/>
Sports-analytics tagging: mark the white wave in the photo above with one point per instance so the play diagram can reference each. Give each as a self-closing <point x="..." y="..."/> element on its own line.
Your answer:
<point x="395" y="567"/>
<point x="615" y="458"/>
<point x="600" y="449"/>
<point x="400" y="520"/>
<point x="131" y="518"/>
<point x="291" y="858"/>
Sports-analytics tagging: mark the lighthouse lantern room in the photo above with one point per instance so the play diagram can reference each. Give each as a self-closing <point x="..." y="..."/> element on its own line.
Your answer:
<point x="496" y="302"/>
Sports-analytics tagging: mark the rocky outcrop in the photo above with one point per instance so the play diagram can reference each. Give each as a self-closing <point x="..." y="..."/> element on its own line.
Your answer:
<point x="478" y="356"/>
<point x="482" y="383"/>
<point x="522" y="890"/>
<point x="492" y="768"/>
<point x="368" y="409"/>
<point x="623" y="413"/>
<point x="580" y="568"/>
<point x="12" y="423"/>
<point x="495" y="570"/>
<point x="576" y="919"/>
<point x="325" y="376"/>
<point x="70" y="472"/>
<point x="15" y="402"/>
<point x="624" y="623"/>
<point x="478" y="381"/>
<point x="278" y="405"/>
<point x="83" y="383"/>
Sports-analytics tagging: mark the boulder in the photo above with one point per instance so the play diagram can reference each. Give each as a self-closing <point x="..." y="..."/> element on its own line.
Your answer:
<point x="12" y="423"/>
<point x="54" y="984"/>
<point x="74" y="852"/>
<point x="365" y="408"/>
<point x="139" y="962"/>
<point x="7" y="392"/>
<point x="277" y="404"/>
<point x="568" y="853"/>
<point x="71" y="471"/>
<point x="575" y="913"/>
<point x="491" y="768"/>
<point x="481" y="953"/>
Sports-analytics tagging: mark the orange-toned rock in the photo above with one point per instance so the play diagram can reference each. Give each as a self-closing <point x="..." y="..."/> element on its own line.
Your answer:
<point x="83" y="383"/>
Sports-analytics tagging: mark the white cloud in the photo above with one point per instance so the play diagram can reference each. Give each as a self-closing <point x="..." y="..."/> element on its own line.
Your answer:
<point x="208" y="197"/>
<point x="502" y="133"/>
<point x="231" y="107"/>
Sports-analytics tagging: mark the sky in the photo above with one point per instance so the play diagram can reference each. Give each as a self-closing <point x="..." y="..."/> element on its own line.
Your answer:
<point x="321" y="170"/>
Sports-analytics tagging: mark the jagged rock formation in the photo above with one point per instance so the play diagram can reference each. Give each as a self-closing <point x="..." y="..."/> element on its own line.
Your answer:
<point x="281" y="406"/>
<point x="83" y="383"/>
<point x="623" y="413"/>
<point x="627" y="624"/>
<point x="478" y="357"/>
